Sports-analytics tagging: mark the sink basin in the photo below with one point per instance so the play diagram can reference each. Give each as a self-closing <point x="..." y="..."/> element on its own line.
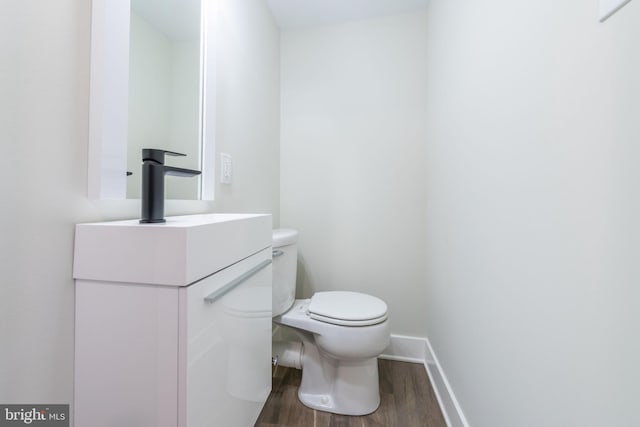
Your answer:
<point x="178" y="252"/>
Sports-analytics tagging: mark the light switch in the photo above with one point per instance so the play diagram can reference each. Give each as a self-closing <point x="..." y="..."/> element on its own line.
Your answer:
<point x="226" y="168"/>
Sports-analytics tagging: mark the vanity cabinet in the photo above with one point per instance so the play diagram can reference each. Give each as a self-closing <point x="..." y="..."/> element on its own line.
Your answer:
<point x="173" y="351"/>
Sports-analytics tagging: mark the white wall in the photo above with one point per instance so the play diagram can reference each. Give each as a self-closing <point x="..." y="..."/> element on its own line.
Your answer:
<point x="44" y="92"/>
<point x="533" y="192"/>
<point x="352" y="157"/>
<point x="248" y="107"/>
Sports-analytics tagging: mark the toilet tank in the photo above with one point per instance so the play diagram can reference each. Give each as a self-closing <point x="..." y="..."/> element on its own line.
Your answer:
<point x="285" y="264"/>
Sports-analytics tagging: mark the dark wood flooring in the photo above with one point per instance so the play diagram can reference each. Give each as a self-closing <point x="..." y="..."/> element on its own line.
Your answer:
<point x="406" y="400"/>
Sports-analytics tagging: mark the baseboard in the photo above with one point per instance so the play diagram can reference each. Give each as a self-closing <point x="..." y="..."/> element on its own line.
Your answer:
<point x="405" y="349"/>
<point x="418" y="350"/>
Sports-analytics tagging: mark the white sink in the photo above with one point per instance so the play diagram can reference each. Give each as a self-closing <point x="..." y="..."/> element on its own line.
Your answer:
<point x="176" y="253"/>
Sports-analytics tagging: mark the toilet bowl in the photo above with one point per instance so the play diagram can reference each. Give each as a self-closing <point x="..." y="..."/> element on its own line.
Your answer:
<point x="342" y="334"/>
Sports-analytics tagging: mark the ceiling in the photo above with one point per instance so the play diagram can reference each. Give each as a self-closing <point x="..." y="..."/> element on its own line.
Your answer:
<point x="291" y="14"/>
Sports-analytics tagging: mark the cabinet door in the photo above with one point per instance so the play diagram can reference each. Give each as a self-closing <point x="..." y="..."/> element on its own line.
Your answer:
<point x="126" y="356"/>
<point x="228" y="345"/>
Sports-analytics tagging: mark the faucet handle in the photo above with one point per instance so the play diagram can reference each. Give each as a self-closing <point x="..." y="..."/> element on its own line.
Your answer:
<point x="157" y="155"/>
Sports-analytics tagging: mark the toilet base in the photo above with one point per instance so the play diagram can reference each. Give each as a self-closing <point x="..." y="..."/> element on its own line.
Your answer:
<point x="339" y="386"/>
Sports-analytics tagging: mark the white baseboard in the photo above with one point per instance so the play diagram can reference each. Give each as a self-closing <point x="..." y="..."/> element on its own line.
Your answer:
<point x="418" y="350"/>
<point x="405" y="349"/>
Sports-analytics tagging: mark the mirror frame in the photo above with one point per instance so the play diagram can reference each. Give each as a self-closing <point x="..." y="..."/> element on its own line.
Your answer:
<point x="109" y="93"/>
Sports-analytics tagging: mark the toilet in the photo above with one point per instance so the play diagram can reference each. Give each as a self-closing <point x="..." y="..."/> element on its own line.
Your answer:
<point x="341" y="336"/>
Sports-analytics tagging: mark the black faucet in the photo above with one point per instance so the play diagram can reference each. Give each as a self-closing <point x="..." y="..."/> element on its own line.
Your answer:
<point x="153" y="172"/>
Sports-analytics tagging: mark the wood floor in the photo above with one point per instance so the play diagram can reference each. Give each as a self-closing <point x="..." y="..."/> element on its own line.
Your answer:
<point x="406" y="400"/>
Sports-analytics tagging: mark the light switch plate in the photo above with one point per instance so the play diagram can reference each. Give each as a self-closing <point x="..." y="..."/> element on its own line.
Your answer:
<point x="226" y="168"/>
<point x="609" y="7"/>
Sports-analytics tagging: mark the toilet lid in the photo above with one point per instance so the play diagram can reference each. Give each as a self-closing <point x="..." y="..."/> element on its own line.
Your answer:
<point x="347" y="308"/>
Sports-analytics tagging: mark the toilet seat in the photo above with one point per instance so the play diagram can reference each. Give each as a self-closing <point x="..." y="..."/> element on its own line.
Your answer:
<point x="345" y="308"/>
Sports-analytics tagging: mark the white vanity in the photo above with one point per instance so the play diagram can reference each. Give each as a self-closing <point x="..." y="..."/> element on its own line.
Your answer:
<point x="173" y="321"/>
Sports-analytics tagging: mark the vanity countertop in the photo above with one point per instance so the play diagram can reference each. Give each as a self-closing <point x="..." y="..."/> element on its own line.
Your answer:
<point x="178" y="252"/>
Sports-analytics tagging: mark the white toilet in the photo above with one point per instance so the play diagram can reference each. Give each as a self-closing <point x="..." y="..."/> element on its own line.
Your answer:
<point x="342" y="335"/>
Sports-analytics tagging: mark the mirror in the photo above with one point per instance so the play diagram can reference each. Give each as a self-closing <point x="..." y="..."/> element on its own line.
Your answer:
<point x="164" y="89"/>
<point x="150" y="88"/>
